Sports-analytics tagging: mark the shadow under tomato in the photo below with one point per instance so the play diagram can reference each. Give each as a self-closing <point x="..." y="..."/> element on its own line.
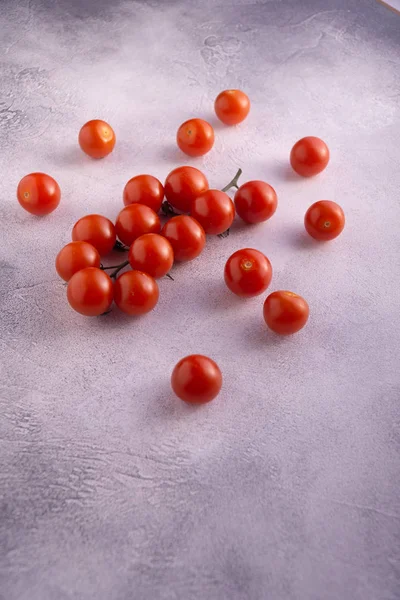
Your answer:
<point x="171" y="152"/>
<point x="73" y="156"/>
<point x="217" y="297"/>
<point x="299" y="238"/>
<point x="255" y="334"/>
<point x="165" y="405"/>
<point x="279" y="171"/>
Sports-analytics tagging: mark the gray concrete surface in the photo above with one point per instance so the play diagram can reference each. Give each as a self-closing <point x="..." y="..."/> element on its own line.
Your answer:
<point x="287" y="486"/>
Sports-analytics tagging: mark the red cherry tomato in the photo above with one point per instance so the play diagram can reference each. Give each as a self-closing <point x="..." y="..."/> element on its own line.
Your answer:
<point x="248" y="272"/>
<point x="136" y="293"/>
<point x="309" y="156"/>
<point x="183" y="185"/>
<point x="214" y="210"/>
<point x="186" y="237"/>
<point x="255" y="201"/>
<point x="96" y="230"/>
<point x="324" y="220"/>
<point x="196" y="379"/>
<point x="144" y="189"/>
<point x="74" y="257"/>
<point x="136" y="220"/>
<point x="285" y="312"/>
<point x="38" y="193"/>
<point x="90" y="292"/>
<point x="151" y="253"/>
<point x="232" y="106"/>
<point x="195" y="137"/>
<point x="97" y="138"/>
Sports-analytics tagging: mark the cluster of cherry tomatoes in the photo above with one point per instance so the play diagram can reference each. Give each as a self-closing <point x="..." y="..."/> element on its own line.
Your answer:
<point x="190" y="210"/>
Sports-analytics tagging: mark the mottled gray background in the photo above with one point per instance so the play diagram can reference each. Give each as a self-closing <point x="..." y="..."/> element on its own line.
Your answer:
<point x="287" y="486"/>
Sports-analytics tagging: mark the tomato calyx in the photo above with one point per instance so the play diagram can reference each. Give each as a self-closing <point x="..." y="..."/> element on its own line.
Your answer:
<point x="120" y="247"/>
<point x="167" y="209"/>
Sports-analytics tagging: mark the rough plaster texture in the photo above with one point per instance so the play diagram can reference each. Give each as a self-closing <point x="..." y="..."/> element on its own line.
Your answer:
<point x="287" y="486"/>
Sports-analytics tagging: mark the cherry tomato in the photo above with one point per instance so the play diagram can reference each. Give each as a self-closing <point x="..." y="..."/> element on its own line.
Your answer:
<point x="195" y="137"/>
<point x="309" y="156"/>
<point x="196" y="379"/>
<point x="186" y="237"/>
<point x="214" y="210"/>
<point x="136" y="293"/>
<point x="136" y="220"/>
<point x="324" y="220"/>
<point x="144" y="189"/>
<point x="248" y="272"/>
<point x="151" y="253"/>
<point x="285" y="312"/>
<point x="74" y="257"/>
<point x="232" y="106"/>
<point x="90" y="292"/>
<point x="183" y="185"/>
<point x="97" y="138"/>
<point x="255" y="201"/>
<point x="38" y="193"/>
<point x="96" y="230"/>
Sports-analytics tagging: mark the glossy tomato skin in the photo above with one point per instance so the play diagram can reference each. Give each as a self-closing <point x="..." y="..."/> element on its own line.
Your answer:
<point x="144" y="189"/>
<point x="90" y="292"/>
<point x="195" y="137"/>
<point x="183" y="185"/>
<point x="96" y="230"/>
<point x="136" y="293"/>
<point x="309" y="156"/>
<point x="186" y="236"/>
<point x="232" y="106"/>
<point x="214" y="210"/>
<point x="97" y="138"/>
<point x="38" y="193"/>
<point x="74" y="257"/>
<point x="151" y="253"/>
<point x="248" y="272"/>
<point x="324" y="220"/>
<point x="136" y="220"/>
<point x="285" y="312"/>
<point x="255" y="201"/>
<point x="196" y="379"/>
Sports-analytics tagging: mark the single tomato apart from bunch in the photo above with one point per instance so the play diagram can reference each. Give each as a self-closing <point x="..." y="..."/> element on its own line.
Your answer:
<point x="195" y="137"/>
<point x="248" y="272"/>
<point x="255" y="201"/>
<point x="136" y="293"/>
<point x="97" y="138"/>
<point x="144" y="189"/>
<point x="232" y="106"/>
<point x="136" y="220"/>
<point x="38" y="193"/>
<point x="324" y="220"/>
<point x="151" y="253"/>
<point x="183" y="185"/>
<point x="196" y="379"/>
<point x="96" y="230"/>
<point x="285" y="312"/>
<point x="309" y="156"/>
<point x="74" y="257"/>
<point x="90" y="292"/>
<point x="214" y="210"/>
<point x="186" y="236"/>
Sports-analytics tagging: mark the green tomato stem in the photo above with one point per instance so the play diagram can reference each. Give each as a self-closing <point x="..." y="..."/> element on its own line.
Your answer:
<point x="234" y="182"/>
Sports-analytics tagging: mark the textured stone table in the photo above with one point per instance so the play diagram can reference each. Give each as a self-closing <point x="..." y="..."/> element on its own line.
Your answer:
<point x="287" y="486"/>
